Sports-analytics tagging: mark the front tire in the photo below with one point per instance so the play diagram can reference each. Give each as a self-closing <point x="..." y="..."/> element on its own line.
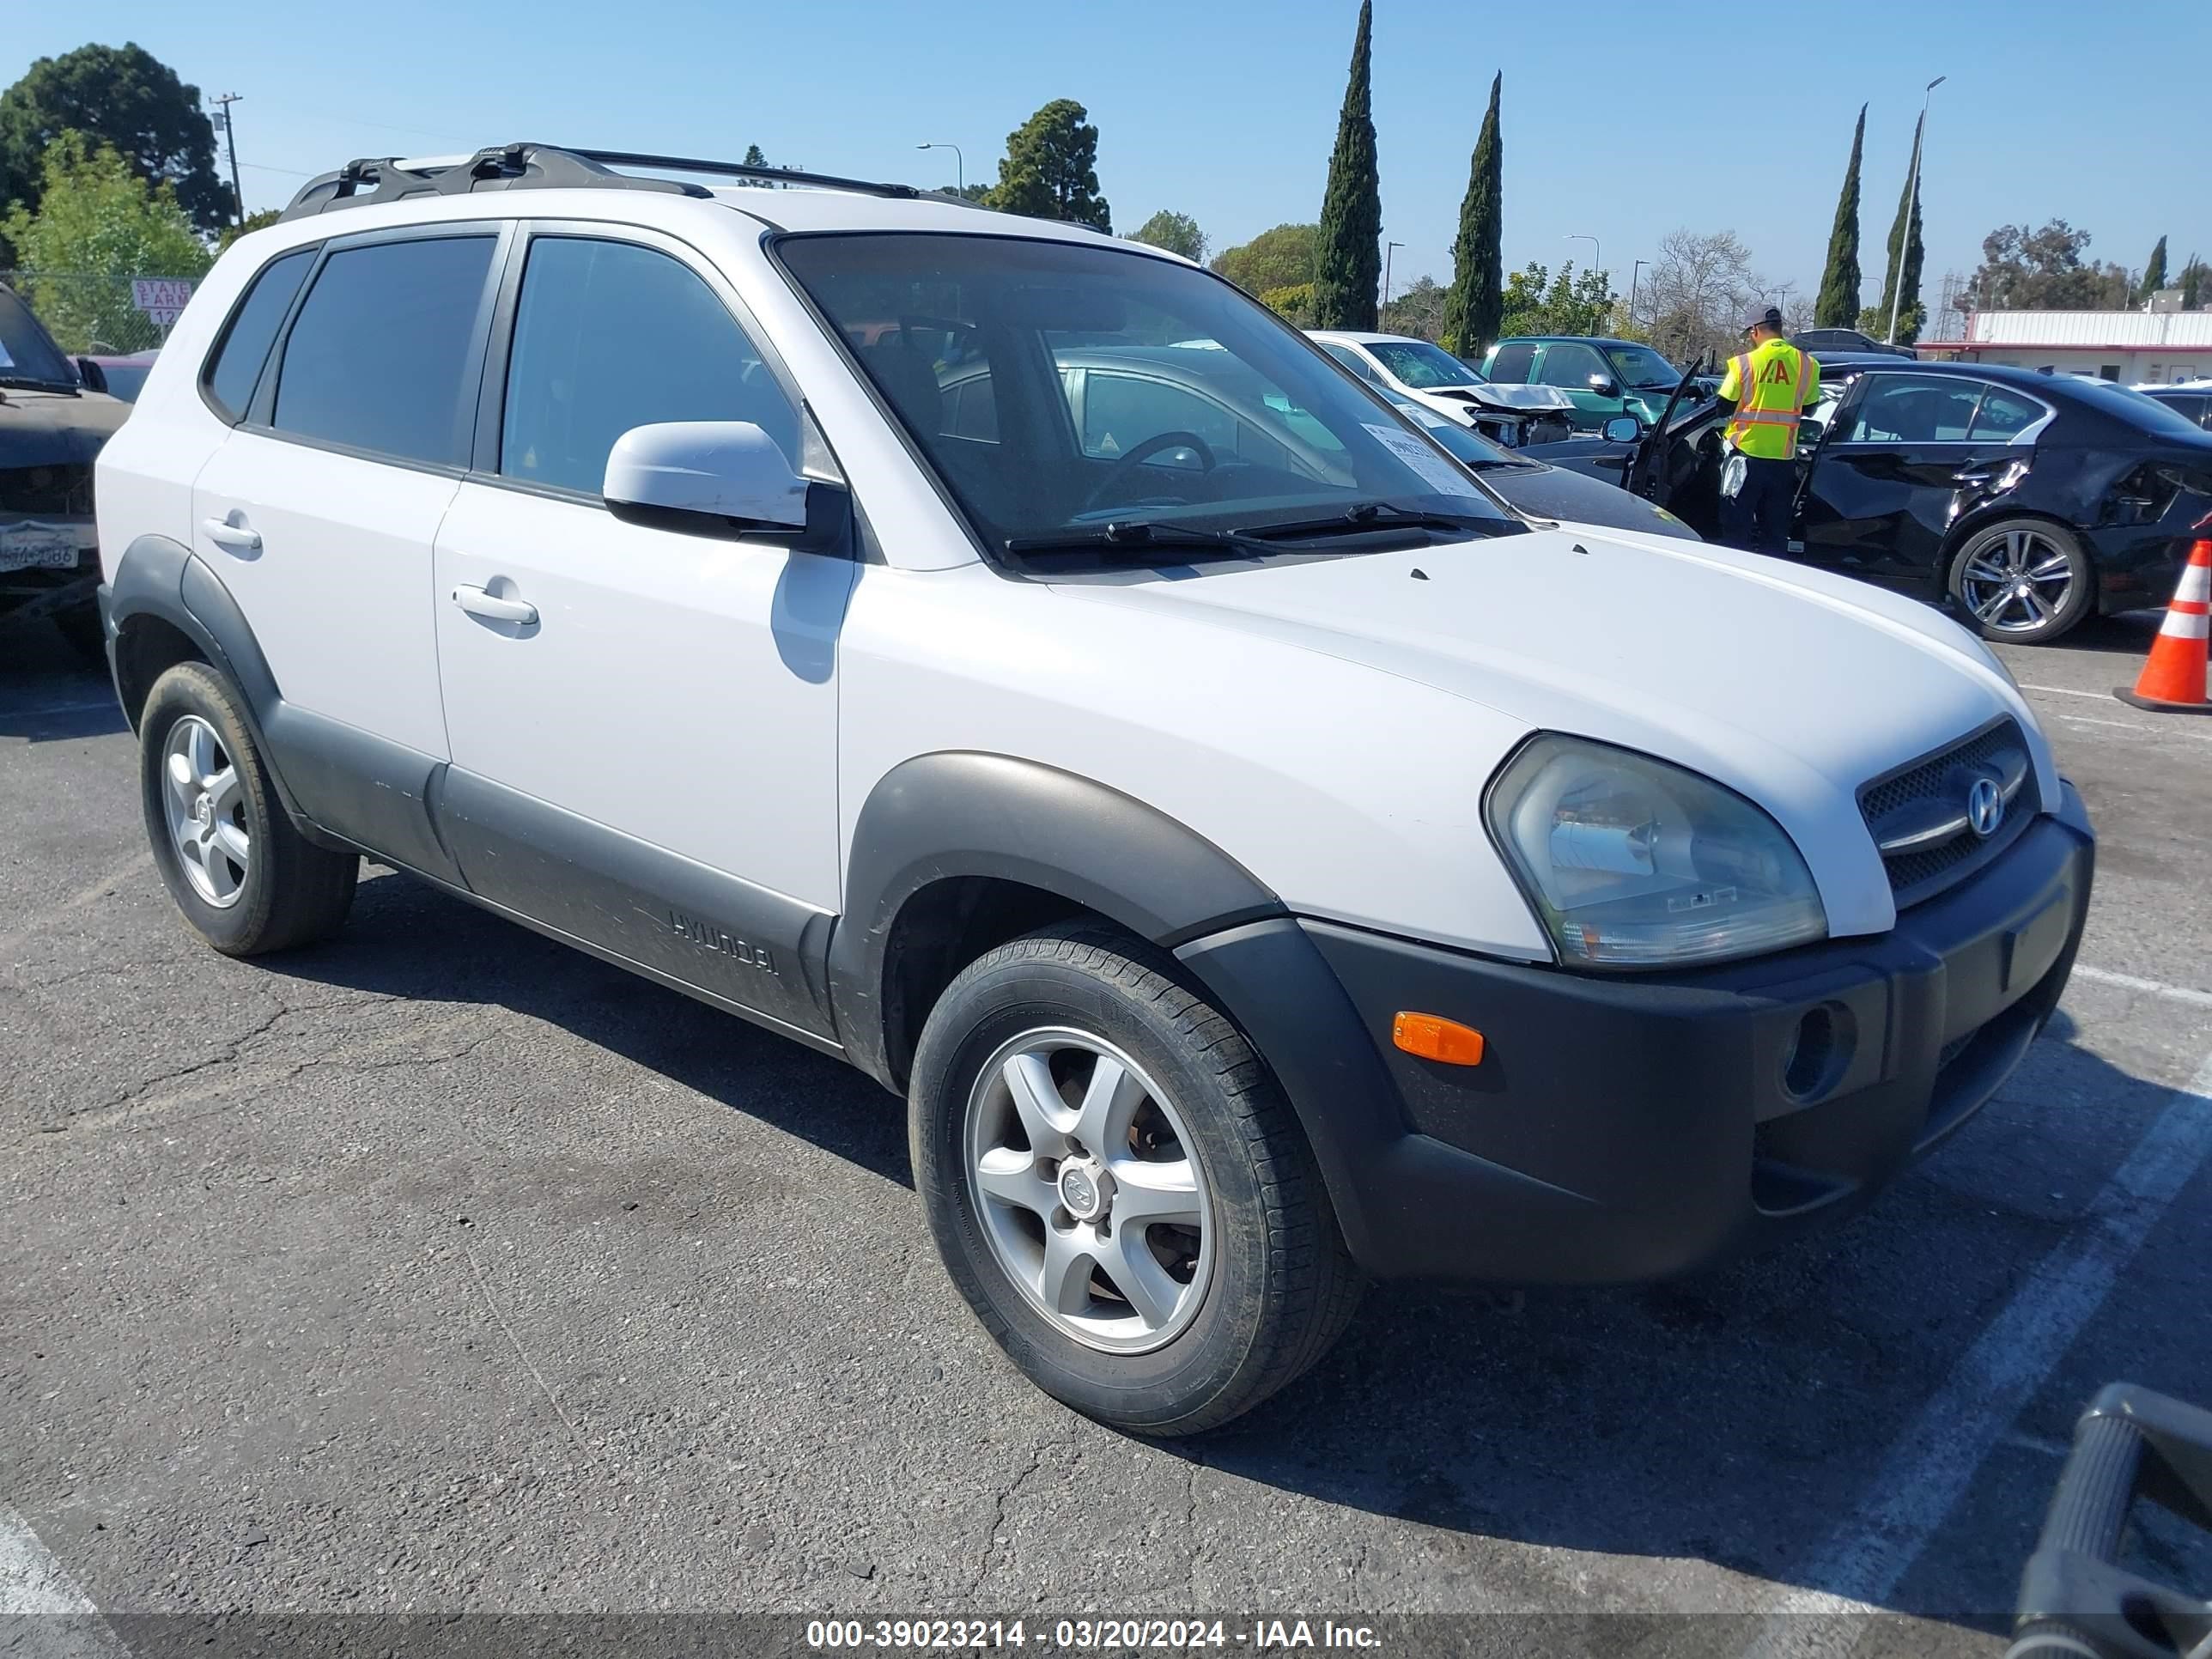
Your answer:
<point x="1119" y="1190"/>
<point x="2025" y="580"/>
<point x="237" y="866"/>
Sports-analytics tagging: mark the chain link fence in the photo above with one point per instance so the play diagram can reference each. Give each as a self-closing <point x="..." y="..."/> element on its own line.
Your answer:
<point x="100" y="315"/>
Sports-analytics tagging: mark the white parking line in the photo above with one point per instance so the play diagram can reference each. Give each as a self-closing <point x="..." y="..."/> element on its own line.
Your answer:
<point x="1928" y="1469"/>
<point x="32" y="1582"/>
<point x="2068" y="691"/>
<point x="2150" y="986"/>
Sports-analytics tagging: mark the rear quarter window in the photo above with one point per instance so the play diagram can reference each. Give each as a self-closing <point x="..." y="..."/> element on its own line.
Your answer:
<point x="235" y="368"/>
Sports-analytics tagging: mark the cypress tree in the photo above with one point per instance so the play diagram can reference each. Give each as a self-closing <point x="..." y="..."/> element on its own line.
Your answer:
<point x="1839" y="304"/>
<point x="1350" y="266"/>
<point x="2192" y="278"/>
<point x="2154" y="272"/>
<point x="1908" y="235"/>
<point x="1476" y="304"/>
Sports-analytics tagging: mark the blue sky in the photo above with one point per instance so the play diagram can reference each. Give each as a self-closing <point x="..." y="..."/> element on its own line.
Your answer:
<point x="1621" y="121"/>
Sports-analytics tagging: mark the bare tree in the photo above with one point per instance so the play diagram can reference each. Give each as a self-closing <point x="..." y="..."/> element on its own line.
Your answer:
<point x="1696" y="295"/>
<point x="1797" y="313"/>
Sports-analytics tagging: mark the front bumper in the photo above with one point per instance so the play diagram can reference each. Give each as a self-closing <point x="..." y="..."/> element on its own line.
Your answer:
<point x="1627" y="1129"/>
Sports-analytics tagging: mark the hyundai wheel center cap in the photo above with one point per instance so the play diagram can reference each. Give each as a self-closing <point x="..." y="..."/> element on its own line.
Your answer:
<point x="1085" y="1188"/>
<point x="203" y="813"/>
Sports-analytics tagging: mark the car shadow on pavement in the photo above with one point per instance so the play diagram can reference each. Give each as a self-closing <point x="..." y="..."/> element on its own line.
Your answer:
<point x="483" y="958"/>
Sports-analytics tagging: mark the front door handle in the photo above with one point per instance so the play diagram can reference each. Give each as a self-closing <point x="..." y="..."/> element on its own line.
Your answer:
<point x="237" y="538"/>
<point x="477" y="603"/>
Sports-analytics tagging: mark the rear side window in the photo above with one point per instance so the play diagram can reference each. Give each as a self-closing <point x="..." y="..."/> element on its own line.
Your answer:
<point x="380" y="348"/>
<point x="1512" y="363"/>
<point x="237" y="362"/>
<point x="608" y="335"/>
<point x="2003" y="414"/>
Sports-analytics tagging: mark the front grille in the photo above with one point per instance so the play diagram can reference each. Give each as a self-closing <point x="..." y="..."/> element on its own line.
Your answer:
<point x="1919" y="800"/>
<point x="47" y="489"/>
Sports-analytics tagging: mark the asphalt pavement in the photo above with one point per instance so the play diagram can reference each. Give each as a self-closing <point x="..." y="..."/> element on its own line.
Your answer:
<point x="439" y="1270"/>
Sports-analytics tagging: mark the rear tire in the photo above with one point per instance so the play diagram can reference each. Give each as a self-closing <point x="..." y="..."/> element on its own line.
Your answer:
<point x="230" y="855"/>
<point x="2027" y="582"/>
<point x="1253" y="1285"/>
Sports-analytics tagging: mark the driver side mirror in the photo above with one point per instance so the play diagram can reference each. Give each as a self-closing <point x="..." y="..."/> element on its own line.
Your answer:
<point x="1605" y="386"/>
<point x="1622" y="430"/>
<point x="93" y="376"/>
<point x="719" y="478"/>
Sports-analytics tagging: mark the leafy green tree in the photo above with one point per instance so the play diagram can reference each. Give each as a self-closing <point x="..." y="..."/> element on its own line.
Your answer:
<point x="98" y="225"/>
<point x="252" y="221"/>
<point x="978" y="194"/>
<point x="1839" y="304"/>
<point x="2025" y="269"/>
<point x="1282" y="257"/>
<point x="1350" y="266"/>
<point x="1294" y="304"/>
<point x="1901" y="286"/>
<point x="1178" y="233"/>
<point x="1538" y="302"/>
<point x="123" y="98"/>
<point x="1418" y="310"/>
<point x="2153" y="276"/>
<point x="1476" y="304"/>
<point x="1050" y="170"/>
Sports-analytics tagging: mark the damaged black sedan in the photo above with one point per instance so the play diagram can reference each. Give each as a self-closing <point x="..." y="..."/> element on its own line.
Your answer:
<point x="2028" y="502"/>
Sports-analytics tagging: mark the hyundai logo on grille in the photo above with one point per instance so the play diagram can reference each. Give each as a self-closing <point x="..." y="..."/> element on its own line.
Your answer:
<point x="1985" y="807"/>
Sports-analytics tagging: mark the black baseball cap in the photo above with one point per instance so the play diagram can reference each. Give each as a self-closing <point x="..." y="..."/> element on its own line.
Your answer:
<point x="1762" y="317"/>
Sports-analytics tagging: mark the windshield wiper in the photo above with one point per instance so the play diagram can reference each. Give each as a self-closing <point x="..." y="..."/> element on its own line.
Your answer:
<point x="1364" y="520"/>
<point x="32" y="383"/>
<point x="1135" y="536"/>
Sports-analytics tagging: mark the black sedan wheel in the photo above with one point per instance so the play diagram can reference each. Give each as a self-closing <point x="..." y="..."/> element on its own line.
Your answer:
<point x="2026" y="580"/>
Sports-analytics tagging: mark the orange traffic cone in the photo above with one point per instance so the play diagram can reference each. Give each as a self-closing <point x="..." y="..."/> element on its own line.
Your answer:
<point x="2173" y="680"/>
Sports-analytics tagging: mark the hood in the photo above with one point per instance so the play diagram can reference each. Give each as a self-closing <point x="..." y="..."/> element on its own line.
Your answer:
<point x="56" y="428"/>
<point x="1552" y="492"/>
<point x="1498" y="394"/>
<point x="1792" y="687"/>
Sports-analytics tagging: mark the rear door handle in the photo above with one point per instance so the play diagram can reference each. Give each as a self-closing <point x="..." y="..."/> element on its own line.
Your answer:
<point x="236" y="536"/>
<point x="477" y="603"/>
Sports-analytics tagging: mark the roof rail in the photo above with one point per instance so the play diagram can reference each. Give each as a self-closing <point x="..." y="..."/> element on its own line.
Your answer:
<point x="371" y="179"/>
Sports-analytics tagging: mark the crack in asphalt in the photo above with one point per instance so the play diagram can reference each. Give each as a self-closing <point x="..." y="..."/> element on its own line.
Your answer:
<point x="998" y="1514"/>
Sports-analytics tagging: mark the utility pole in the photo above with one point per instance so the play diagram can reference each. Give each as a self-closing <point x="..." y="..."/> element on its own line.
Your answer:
<point x="1389" y="248"/>
<point x="230" y="141"/>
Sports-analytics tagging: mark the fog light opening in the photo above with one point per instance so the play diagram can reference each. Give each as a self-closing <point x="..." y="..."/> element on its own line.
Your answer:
<point x="1819" y="1051"/>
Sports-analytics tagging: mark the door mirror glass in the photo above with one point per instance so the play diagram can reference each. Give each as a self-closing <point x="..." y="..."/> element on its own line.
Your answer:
<point x="91" y="374"/>
<point x="1622" y="430"/>
<point x="1605" y="386"/>
<point x="722" y="475"/>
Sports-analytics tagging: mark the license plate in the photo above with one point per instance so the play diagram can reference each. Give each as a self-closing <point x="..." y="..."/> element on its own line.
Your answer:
<point x="44" y="546"/>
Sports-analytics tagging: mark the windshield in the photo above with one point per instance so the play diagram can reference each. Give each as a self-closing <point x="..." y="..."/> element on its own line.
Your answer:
<point x="27" y="352"/>
<point x="2138" y="409"/>
<point x="1058" y="389"/>
<point x="1642" y="368"/>
<point x="1418" y="364"/>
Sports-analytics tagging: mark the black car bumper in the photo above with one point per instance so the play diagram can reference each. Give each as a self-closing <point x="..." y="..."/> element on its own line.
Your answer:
<point x="1627" y="1129"/>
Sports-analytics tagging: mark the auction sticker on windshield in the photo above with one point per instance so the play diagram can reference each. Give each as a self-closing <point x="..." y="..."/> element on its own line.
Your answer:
<point x="34" y="546"/>
<point x="1439" y="473"/>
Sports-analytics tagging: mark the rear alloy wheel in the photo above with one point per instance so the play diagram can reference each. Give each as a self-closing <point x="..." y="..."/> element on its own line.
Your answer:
<point x="2024" y="579"/>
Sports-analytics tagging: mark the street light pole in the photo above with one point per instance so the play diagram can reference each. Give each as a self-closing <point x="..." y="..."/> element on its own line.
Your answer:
<point x="1388" y="249"/>
<point x="1634" y="271"/>
<point x="1911" y="202"/>
<point x="959" y="163"/>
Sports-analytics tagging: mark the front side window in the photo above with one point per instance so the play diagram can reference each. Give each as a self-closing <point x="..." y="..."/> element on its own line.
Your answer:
<point x="1351" y="359"/>
<point x="612" y="335"/>
<point x="253" y="330"/>
<point x="1119" y="387"/>
<point x="1914" y="408"/>
<point x="1422" y="366"/>
<point x="377" y="357"/>
<point x="1571" y="366"/>
<point x="1642" y="368"/>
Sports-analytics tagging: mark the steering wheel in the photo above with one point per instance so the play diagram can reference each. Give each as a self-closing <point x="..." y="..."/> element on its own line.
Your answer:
<point x="1145" y="452"/>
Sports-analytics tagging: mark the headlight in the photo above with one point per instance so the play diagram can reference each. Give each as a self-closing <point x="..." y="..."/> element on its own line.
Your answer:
<point x="1633" y="863"/>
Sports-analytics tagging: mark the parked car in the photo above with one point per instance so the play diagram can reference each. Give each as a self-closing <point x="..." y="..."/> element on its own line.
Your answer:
<point x="1537" y="488"/>
<point x="2030" y="502"/>
<point x="1603" y="379"/>
<point x="1821" y="341"/>
<point x="1430" y="375"/>
<point x="1253" y="881"/>
<point x="2191" y="400"/>
<point x="121" y="377"/>
<point x="52" y="426"/>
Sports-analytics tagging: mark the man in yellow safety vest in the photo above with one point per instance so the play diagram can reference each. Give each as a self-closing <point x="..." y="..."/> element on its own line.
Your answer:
<point x="1766" y="391"/>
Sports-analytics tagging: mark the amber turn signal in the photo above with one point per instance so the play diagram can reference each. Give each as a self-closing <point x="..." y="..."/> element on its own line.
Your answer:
<point x="1434" y="1037"/>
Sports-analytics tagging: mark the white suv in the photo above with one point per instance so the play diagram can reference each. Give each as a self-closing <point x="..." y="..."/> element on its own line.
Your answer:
<point x="1262" y="860"/>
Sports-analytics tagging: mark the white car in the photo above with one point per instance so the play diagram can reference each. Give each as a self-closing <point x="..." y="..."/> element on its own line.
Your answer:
<point x="1424" y="372"/>
<point x="1260" y="861"/>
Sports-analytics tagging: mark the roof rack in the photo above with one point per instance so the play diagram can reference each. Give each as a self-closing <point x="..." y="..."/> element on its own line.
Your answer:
<point x="371" y="179"/>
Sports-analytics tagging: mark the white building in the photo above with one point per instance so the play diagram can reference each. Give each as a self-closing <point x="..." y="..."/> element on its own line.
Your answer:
<point x="2127" y="346"/>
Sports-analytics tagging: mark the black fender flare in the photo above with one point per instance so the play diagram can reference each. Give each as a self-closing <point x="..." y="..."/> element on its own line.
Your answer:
<point x="966" y="813"/>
